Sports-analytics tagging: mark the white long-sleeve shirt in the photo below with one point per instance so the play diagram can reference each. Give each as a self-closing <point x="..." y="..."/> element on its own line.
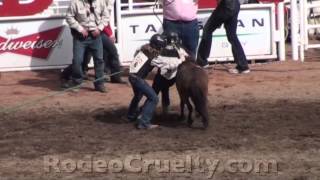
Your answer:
<point x="169" y="65"/>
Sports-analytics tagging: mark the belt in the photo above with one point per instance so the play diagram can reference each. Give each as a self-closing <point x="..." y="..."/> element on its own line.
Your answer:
<point x="180" y="21"/>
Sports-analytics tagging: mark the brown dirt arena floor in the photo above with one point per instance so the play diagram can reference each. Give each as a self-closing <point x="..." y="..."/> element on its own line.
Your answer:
<point x="272" y="113"/>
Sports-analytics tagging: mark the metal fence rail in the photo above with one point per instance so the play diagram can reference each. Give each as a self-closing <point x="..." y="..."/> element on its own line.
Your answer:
<point x="304" y="8"/>
<point x="57" y="8"/>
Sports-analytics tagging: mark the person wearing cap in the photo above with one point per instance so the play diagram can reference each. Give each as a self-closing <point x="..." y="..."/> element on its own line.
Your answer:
<point x="170" y="57"/>
<point x="138" y="71"/>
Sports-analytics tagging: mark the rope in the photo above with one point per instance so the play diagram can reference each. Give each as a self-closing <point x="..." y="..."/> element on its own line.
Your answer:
<point x="40" y="99"/>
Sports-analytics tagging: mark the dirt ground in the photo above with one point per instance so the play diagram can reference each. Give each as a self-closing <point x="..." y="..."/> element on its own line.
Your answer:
<point x="269" y="114"/>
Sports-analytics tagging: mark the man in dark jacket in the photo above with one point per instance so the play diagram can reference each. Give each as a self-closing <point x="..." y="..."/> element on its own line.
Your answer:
<point x="226" y="13"/>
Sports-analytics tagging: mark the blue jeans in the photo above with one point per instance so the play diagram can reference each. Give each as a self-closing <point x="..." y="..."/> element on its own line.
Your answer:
<point x="188" y="31"/>
<point x="230" y="21"/>
<point x="94" y="45"/>
<point x="111" y="57"/>
<point x="141" y="88"/>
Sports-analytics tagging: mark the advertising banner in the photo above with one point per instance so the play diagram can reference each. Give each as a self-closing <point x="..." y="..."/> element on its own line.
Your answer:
<point x="255" y="30"/>
<point x="42" y="41"/>
<point x="34" y="44"/>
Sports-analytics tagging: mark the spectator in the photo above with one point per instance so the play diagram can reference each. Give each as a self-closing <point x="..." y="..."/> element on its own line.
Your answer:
<point x="110" y="52"/>
<point x="110" y="56"/>
<point x="180" y="16"/>
<point x="226" y="13"/>
<point x="111" y="61"/>
<point x="87" y="19"/>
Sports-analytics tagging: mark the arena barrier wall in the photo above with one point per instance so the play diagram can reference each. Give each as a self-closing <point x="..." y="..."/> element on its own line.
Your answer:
<point x="43" y="40"/>
<point x="256" y="31"/>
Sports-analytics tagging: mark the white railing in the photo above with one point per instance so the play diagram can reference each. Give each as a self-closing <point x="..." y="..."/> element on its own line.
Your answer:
<point x="139" y="5"/>
<point x="57" y="8"/>
<point x="301" y="27"/>
<point x="128" y="10"/>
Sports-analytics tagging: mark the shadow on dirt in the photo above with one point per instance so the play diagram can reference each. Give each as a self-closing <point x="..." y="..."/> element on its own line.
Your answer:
<point x="110" y="116"/>
<point x="118" y="116"/>
<point x="273" y="126"/>
<point x="49" y="79"/>
<point x="170" y="120"/>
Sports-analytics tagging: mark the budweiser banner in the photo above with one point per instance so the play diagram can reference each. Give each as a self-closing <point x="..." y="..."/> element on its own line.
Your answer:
<point x="34" y="44"/>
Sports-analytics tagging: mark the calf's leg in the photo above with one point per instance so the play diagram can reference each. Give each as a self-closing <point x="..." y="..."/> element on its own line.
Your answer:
<point x="182" y="103"/>
<point x="190" y="121"/>
<point x="203" y="111"/>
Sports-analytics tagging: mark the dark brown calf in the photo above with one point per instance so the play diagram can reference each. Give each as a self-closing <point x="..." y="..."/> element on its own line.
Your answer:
<point x="192" y="83"/>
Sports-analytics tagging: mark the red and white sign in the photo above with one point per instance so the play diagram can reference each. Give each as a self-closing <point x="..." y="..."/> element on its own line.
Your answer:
<point x="23" y="7"/>
<point x="206" y="4"/>
<point x="35" y="44"/>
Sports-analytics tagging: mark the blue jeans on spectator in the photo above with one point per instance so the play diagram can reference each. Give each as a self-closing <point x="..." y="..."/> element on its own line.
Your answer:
<point x="141" y="88"/>
<point x="230" y="21"/>
<point x="94" y="45"/>
<point x="188" y="32"/>
<point x="110" y="56"/>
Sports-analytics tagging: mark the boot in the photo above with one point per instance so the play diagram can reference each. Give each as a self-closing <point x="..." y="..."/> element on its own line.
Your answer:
<point x="117" y="79"/>
<point x="100" y="87"/>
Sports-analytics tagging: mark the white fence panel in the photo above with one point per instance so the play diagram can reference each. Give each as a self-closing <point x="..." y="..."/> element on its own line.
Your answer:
<point x="256" y="30"/>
